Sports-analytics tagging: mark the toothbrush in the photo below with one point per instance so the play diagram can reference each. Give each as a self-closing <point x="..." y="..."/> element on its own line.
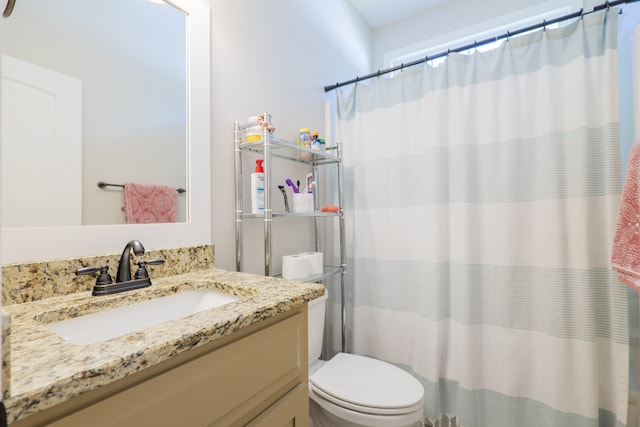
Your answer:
<point x="292" y="186"/>
<point x="309" y="183"/>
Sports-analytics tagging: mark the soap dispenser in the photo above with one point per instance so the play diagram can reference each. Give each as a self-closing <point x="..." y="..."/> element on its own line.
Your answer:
<point x="257" y="188"/>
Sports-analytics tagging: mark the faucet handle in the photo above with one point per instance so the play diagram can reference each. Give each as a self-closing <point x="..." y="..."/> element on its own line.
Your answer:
<point x="141" y="272"/>
<point x="102" y="274"/>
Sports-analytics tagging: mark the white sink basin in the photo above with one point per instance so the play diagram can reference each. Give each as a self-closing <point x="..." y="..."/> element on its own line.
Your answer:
<point x="112" y="323"/>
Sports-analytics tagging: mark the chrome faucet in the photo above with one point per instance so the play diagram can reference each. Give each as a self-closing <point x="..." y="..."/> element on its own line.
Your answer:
<point x="124" y="266"/>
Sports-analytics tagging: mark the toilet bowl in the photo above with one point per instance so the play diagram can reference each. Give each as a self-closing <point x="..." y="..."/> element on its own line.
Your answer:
<point x="354" y="391"/>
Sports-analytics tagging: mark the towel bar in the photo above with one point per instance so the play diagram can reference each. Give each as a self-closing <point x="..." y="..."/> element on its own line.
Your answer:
<point x="102" y="184"/>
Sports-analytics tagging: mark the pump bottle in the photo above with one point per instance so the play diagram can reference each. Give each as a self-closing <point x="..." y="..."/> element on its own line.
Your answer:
<point x="257" y="188"/>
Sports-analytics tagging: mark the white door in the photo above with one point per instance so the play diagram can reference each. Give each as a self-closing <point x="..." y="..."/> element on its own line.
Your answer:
<point x="41" y="130"/>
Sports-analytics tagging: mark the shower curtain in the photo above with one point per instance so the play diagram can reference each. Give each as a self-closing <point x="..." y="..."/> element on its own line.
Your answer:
<point x="482" y="197"/>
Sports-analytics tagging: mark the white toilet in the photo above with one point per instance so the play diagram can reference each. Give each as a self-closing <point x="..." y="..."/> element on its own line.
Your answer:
<point x="355" y="391"/>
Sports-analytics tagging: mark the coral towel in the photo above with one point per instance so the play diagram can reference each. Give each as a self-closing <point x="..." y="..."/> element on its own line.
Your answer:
<point x="148" y="203"/>
<point x="625" y="257"/>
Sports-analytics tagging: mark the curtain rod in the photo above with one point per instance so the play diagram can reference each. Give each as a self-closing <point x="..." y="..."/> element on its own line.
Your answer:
<point x="475" y="44"/>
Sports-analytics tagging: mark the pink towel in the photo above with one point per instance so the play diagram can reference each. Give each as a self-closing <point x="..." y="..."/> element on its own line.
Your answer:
<point x="148" y="203"/>
<point x="625" y="257"/>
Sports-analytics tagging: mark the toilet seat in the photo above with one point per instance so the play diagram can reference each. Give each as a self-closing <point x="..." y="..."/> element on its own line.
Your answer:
<point x="367" y="386"/>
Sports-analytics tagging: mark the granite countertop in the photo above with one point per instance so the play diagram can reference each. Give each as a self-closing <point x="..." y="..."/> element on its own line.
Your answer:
<point x="47" y="370"/>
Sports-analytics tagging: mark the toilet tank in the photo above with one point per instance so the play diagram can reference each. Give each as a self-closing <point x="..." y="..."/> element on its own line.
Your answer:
<point x="316" y="310"/>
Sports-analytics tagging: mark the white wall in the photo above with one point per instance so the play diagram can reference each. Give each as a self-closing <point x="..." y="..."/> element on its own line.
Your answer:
<point x="274" y="56"/>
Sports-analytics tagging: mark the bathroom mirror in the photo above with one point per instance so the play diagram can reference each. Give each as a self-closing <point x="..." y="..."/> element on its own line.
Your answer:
<point x="27" y="244"/>
<point x="105" y="82"/>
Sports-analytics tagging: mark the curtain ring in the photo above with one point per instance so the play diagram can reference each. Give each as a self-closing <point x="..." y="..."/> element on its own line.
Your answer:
<point x="9" y="8"/>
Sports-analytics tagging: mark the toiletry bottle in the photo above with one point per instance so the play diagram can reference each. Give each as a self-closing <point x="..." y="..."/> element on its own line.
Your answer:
<point x="304" y="140"/>
<point x="304" y="137"/>
<point x="257" y="188"/>
<point x="315" y="141"/>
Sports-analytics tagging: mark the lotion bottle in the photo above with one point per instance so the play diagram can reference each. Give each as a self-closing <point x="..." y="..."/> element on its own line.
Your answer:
<point x="257" y="188"/>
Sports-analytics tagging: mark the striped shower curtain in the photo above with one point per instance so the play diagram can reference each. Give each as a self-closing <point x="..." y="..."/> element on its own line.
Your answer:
<point x="481" y="202"/>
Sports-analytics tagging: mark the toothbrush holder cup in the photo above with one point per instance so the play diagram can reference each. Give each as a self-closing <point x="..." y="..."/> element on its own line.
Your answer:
<point x="303" y="202"/>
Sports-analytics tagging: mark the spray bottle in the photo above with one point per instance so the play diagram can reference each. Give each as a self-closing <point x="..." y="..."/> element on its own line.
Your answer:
<point x="257" y="188"/>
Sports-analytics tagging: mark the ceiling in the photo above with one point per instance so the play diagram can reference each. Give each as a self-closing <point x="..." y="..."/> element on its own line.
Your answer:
<point x="380" y="13"/>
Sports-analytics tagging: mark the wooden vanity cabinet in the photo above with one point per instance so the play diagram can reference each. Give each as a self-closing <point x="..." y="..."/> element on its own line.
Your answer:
<point x="255" y="377"/>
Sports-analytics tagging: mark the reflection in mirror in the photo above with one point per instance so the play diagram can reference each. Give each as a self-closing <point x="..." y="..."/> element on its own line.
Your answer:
<point x="34" y="244"/>
<point x="93" y="90"/>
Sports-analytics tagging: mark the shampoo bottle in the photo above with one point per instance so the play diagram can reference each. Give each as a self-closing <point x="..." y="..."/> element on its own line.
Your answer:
<point x="257" y="188"/>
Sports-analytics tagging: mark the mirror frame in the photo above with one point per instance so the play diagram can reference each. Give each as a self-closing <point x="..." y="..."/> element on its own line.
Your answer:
<point x="21" y="245"/>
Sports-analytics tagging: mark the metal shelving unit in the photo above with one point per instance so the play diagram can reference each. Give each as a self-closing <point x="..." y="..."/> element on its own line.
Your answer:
<point x="268" y="147"/>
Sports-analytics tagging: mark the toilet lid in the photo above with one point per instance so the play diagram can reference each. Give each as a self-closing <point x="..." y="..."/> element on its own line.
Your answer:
<point x="367" y="385"/>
